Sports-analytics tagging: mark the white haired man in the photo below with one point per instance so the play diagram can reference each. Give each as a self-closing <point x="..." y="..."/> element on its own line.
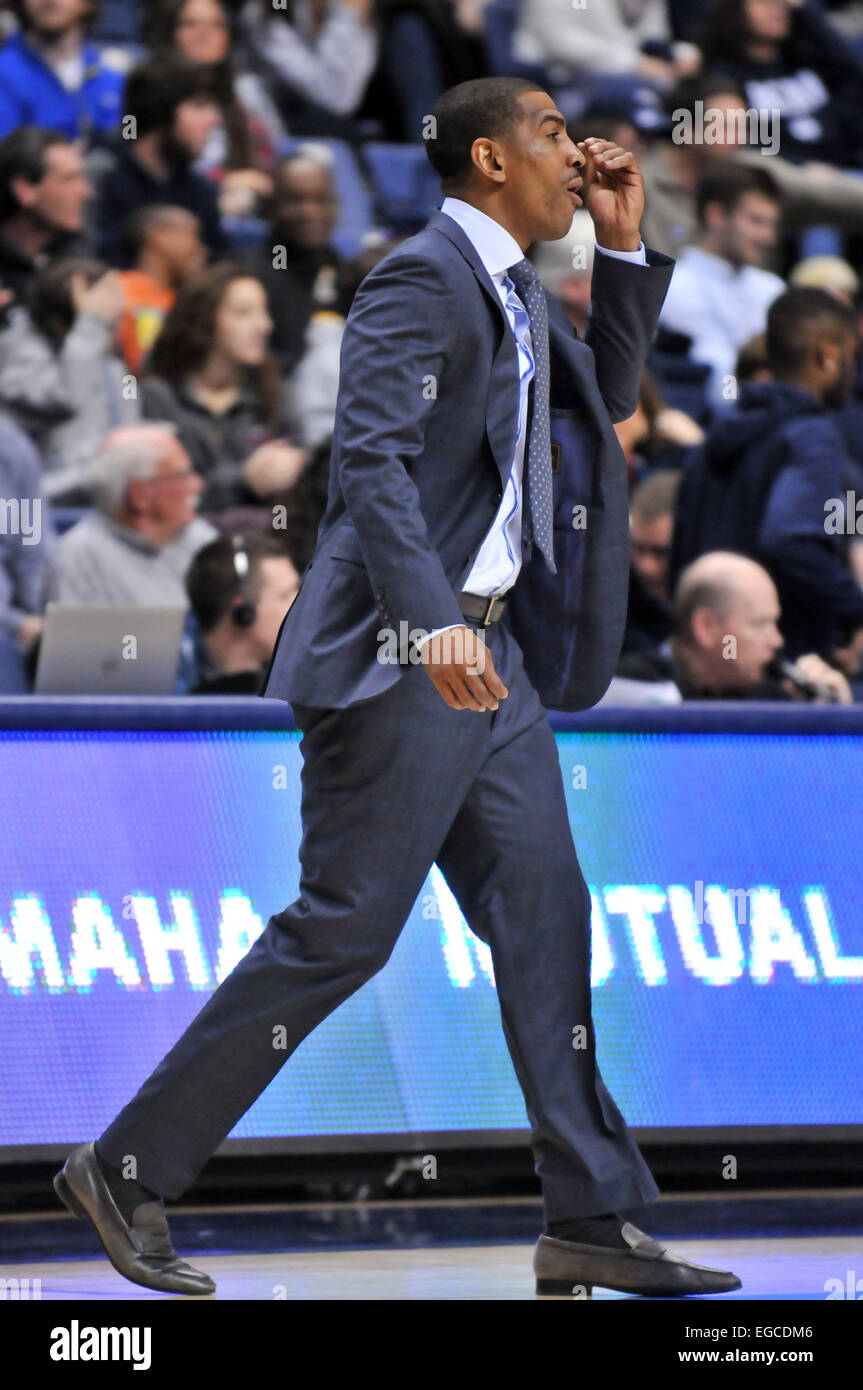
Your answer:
<point x="138" y="541"/>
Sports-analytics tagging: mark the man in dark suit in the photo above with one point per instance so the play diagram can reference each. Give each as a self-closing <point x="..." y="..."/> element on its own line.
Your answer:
<point x="473" y="558"/>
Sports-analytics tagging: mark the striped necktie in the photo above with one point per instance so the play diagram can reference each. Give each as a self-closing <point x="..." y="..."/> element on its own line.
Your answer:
<point x="532" y="296"/>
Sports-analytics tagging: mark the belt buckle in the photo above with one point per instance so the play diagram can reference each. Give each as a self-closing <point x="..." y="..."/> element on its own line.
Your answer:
<point x="487" y="618"/>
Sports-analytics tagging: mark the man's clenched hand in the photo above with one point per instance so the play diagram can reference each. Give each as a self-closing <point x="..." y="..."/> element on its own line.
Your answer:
<point x="460" y="665"/>
<point x="613" y="193"/>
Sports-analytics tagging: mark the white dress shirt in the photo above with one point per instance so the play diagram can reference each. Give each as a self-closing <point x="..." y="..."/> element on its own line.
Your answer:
<point x="498" y="560"/>
<point x="720" y="307"/>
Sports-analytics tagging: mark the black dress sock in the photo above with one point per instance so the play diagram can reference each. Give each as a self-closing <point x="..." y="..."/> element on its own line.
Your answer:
<point x="590" y="1230"/>
<point x="127" y="1193"/>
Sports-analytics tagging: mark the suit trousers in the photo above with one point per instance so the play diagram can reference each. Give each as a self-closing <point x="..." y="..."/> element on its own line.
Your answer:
<point x="391" y="785"/>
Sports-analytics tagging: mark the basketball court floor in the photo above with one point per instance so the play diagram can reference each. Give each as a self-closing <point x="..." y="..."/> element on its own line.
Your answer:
<point x="806" y="1247"/>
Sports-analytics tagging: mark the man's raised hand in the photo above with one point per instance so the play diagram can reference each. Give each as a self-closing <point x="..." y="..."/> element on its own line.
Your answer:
<point x="613" y="193"/>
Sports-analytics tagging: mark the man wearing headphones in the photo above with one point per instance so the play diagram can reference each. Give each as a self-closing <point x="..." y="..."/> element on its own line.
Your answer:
<point x="240" y="588"/>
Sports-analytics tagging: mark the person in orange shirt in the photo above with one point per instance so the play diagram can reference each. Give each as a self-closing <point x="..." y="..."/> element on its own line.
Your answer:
<point x="165" y="244"/>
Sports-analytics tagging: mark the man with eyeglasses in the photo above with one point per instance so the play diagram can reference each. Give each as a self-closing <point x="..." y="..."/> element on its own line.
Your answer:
<point x="651" y="526"/>
<point x="136" y="544"/>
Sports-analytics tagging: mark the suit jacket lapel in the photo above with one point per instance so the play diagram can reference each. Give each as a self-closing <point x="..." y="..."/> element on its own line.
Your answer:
<point x="502" y="404"/>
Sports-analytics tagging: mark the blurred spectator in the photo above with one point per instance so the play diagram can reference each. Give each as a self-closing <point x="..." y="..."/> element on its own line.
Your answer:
<point x="165" y="248"/>
<point x="850" y="417"/>
<point x="59" y="376"/>
<point x="655" y="437"/>
<point x="314" y="387"/>
<point x="829" y="273"/>
<point x="26" y="545"/>
<point x="786" y="57"/>
<point x="170" y="108"/>
<point x="651" y="526"/>
<point x="838" y="278"/>
<point x="211" y="374"/>
<point x="630" y="116"/>
<point x="427" y="46"/>
<point x="565" y="268"/>
<point x="771" y="468"/>
<point x="136" y="545"/>
<point x="241" y="152"/>
<point x="719" y="294"/>
<point x="42" y="195"/>
<point x="811" y="193"/>
<point x="304" y="506"/>
<point x="685" y="17"/>
<point x="846" y="17"/>
<point x="752" y="363"/>
<point x="296" y="263"/>
<point x="314" y="57"/>
<point x="240" y="588"/>
<point x="50" y="76"/>
<point x="605" y="40"/>
<point x="725" y="639"/>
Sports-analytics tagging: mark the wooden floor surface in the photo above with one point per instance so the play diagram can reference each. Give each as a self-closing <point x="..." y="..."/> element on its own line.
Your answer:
<point x="770" y="1269"/>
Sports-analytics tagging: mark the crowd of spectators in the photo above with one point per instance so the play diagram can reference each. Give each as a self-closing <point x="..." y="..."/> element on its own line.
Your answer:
<point x="191" y="192"/>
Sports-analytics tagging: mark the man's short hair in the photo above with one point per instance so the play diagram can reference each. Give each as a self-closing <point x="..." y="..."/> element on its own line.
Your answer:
<point x="20" y="11"/>
<point x="656" y="495"/>
<point x="116" y="465"/>
<point x="730" y="183"/>
<point x="485" y="106"/>
<point x="22" y="156"/>
<point x="138" y="226"/>
<point x="716" y="594"/>
<point x="311" y="152"/>
<point x="752" y="359"/>
<point x="702" y="88"/>
<point x="212" y="581"/>
<point x="156" y="87"/>
<point x="797" y="319"/>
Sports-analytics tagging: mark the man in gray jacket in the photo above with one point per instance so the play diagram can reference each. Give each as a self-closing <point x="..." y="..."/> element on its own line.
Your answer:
<point x="26" y="540"/>
<point x="138" y="542"/>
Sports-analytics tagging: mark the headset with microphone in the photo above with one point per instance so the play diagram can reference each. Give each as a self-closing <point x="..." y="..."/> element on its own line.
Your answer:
<point x="244" y="613"/>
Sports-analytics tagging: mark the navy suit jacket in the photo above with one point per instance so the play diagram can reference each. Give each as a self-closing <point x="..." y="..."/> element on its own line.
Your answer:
<point x="424" y="441"/>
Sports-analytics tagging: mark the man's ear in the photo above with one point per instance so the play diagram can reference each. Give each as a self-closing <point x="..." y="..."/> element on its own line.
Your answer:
<point x="134" y="498"/>
<point x="714" y="216"/>
<point x="486" y="155"/>
<point x="704" y="625"/>
<point x="24" y="192"/>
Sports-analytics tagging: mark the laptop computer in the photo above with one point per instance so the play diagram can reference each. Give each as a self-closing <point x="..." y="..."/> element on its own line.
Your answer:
<point x="91" y="649"/>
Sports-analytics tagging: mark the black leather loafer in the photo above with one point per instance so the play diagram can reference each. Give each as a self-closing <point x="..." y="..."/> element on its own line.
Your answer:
<point x="142" y="1252"/>
<point x="566" y="1269"/>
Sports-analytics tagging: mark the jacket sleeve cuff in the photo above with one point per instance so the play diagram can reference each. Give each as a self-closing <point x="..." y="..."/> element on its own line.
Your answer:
<point x="638" y="257"/>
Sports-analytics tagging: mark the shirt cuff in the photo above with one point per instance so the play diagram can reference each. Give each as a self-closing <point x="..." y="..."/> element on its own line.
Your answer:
<point x="420" y="642"/>
<point x="636" y="257"/>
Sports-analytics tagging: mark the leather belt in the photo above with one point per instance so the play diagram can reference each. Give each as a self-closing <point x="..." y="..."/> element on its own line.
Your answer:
<point x="482" y="608"/>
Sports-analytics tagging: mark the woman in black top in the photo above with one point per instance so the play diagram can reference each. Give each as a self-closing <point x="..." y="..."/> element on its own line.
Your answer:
<point x="789" y="59"/>
<point x="211" y="375"/>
